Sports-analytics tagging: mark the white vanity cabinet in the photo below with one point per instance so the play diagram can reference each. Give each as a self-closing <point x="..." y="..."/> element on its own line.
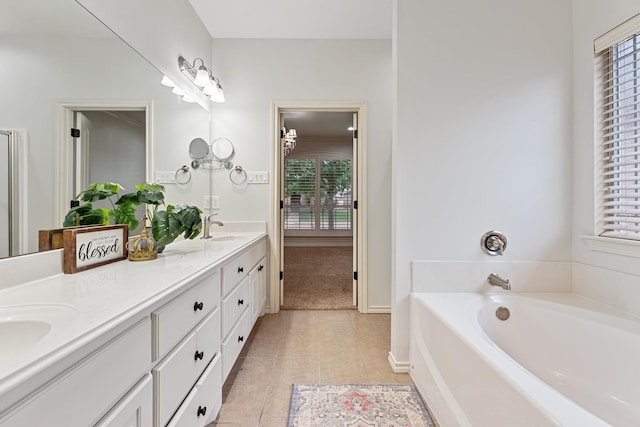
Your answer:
<point x="81" y="395"/>
<point x="153" y="355"/>
<point x="238" y="302"/>
<point x="186" y="340"/>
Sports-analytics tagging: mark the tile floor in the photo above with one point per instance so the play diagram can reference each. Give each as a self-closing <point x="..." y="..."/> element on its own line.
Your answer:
<point x="329" y="347"/>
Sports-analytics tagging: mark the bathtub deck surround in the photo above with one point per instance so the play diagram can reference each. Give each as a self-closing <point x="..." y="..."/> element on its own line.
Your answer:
<point x="559" y="359"/>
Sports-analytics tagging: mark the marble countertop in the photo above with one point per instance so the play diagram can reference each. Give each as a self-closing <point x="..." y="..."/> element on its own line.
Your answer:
<point x="81" y="308"/>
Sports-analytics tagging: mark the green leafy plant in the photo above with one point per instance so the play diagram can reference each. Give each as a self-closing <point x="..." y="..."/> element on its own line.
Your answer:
<point x="166" y="225"/>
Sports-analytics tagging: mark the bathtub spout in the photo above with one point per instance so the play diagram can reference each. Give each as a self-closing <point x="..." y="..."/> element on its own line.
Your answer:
<point x="495" y="280"/>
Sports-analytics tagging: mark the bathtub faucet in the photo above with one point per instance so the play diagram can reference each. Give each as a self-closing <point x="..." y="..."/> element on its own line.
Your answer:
<point x="495" y="280"/>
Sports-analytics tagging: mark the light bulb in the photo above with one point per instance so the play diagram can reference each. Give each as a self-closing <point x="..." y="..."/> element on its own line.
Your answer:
<point x="210" y="89"/>
<point x="188" y="98"/>
<point x="177" y="91"/>
<point x="166" y="81"/>
<point x="202" y="76"/>
<point x="218" y="95"/>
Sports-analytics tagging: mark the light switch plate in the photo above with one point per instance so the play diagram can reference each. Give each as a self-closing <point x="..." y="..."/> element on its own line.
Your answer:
<point x="165" y="177"/>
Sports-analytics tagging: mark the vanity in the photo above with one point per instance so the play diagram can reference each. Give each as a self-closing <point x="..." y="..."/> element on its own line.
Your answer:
<point x="131" y="343"/>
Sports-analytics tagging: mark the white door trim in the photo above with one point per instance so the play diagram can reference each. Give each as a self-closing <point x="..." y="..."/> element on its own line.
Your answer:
<point x="276" y="260"/>
<point x="64" y="150"/>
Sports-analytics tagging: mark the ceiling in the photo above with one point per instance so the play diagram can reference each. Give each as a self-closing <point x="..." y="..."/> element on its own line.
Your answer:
<point x="319" y="124"/>
<point x="296" y="19"/>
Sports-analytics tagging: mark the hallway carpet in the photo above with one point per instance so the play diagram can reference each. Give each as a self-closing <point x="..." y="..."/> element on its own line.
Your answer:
<point x="318" y="278"/>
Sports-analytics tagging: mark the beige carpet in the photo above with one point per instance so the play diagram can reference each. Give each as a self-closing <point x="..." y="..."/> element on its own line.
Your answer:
<point x="318" y="278"/>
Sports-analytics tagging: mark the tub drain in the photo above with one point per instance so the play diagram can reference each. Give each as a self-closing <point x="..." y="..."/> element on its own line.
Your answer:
<point x="502" y="313"/>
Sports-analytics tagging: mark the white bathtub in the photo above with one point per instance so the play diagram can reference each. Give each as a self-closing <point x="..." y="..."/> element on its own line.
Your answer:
<point x="559" y="360"/>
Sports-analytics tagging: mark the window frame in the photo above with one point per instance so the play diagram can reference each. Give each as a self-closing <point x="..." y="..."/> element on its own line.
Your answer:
<point x="606" y="89"/>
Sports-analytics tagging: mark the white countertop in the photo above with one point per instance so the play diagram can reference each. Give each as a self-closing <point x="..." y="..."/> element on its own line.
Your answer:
<point x="84" y="306"/>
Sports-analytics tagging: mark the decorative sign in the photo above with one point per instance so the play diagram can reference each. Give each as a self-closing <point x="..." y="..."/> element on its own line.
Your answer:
<point x="90" y="247"/>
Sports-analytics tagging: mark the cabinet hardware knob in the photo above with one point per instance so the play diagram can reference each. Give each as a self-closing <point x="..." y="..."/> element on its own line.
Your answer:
<point x="240" y="339"/>
<point x="240" y="269"/>
<point x="198" y="306"/>
<point x="261" y="267"/>
<point x="198" y="355"/>
<point x="241" y="302"/>
<point x="202" y="410"/>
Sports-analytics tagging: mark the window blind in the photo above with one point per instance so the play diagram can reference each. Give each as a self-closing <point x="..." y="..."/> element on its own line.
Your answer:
<point x="618" y="91"/>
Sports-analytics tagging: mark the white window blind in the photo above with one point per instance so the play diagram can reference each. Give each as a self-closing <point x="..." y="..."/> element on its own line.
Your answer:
<point x="317" y="188"/>
<point x="618" y="92"/>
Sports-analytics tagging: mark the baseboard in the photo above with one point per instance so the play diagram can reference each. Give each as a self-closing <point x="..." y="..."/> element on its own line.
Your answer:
<point x="398" y="367"/>
<point x="379" y="309"/>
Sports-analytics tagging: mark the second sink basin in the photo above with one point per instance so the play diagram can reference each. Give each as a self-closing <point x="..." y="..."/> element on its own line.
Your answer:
<point x="23" y="326"/>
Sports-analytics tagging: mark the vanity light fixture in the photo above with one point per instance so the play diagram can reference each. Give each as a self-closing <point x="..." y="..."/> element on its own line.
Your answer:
<point x="202" y="77"/>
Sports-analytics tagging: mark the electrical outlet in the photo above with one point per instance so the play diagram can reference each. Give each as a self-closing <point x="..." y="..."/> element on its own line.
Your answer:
<point x="207" y="202"/>
<point x="215" y="202"/>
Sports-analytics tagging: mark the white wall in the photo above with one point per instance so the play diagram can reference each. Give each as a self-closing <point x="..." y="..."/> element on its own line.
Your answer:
<point x="254" y="73"/>
<point x="591" y="18"/>
<point x="482" y="137"/>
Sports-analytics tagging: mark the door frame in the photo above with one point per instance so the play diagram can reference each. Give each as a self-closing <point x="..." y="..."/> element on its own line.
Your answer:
<point x="64" y="150"/>
<point x="277" y="162"/>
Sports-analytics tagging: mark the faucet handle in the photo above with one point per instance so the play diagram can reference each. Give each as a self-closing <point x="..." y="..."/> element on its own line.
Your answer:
<point x="493" y="243"/>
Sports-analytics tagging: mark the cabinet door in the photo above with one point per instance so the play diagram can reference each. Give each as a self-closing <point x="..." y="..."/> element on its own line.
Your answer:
<point x="135" y="409"/>
<point x="258" y="276"/>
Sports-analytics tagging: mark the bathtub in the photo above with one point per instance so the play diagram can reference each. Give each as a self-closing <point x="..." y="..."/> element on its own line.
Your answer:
<point x="558" y="360"/>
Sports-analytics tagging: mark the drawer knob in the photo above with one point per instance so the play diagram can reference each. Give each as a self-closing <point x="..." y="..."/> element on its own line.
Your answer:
<point x="202" y="410"/>
<point x="198" y="355"/>
<point x="198" y="306"/>
<point x="241" y="302"/>
<point x="261" y="267"/>
<point x="240" y="269"/>
<point x="240" y="339"/>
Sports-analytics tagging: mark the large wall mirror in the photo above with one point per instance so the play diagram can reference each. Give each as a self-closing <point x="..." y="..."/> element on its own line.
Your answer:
<point x="60" y="67"/>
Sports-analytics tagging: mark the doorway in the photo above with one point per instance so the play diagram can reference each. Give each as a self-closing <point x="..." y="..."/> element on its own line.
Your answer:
<point x="110" y="141"/>
<point x="317" y="227"/>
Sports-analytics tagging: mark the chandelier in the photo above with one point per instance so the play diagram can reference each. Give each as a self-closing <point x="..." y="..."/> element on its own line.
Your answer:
<point x="288" y="139"/>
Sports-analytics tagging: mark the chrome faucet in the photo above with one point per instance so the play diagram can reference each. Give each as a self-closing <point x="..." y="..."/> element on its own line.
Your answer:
<point x="208" y="222"/>
<point x="495" y="280"/>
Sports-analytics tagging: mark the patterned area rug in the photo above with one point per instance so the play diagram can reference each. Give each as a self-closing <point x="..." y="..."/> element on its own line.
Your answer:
<point x="393" y="405"/>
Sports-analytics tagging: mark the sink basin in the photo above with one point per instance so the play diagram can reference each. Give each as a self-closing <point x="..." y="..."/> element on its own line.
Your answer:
<point x="23" y="326"/>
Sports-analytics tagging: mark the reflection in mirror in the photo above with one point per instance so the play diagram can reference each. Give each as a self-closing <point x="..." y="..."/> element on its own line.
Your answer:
<point x="222" y="149"/>
<point x="198" y="149"/>
<point x="55" y="55"/>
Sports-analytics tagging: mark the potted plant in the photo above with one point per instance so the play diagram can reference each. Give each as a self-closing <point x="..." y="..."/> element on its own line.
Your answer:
<point x="166" y="225"/>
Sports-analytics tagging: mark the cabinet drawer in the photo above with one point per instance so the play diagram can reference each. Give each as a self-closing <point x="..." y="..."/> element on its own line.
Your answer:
<point x="173" y="320"/>
<point x="84" y="393"/>
<point x="234" y="342"/>
<point x="234" y="271"/>
<point x="234" y="304"/>
<point x="205" y="400"/>
<point x="177" y="373"/>
<point x="257" y="252"/>
<point x="135" y="409"/>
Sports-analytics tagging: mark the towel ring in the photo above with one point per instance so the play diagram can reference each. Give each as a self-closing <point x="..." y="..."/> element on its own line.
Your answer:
<point x="238" y="175"/>
<point x="183" y="175"/>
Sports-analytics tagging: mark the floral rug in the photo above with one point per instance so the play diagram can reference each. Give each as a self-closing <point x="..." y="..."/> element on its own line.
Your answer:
<point x="388" y="405"/>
